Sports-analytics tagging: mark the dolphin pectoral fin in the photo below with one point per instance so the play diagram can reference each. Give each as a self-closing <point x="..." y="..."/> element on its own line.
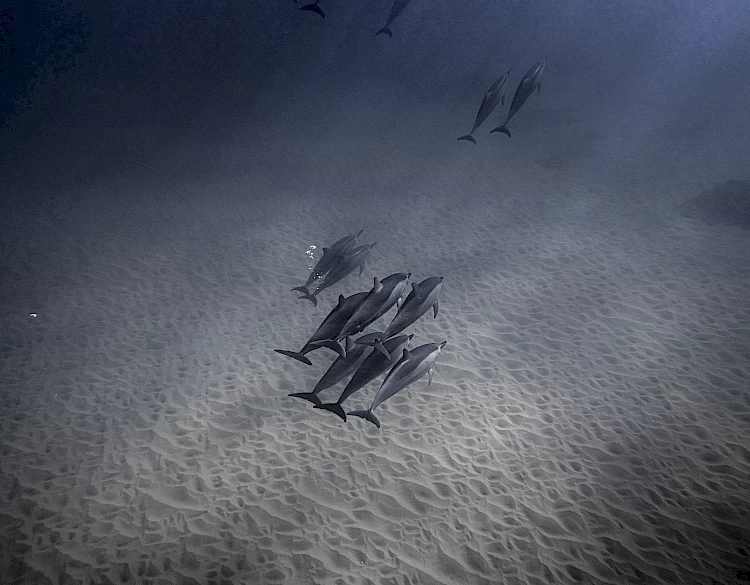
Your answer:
<point x="367" y="415"/>
<point x="295" y="355"/>
<point x="435" y="308"/>
<point x="429" y="376"/>
<point x="502" y="129"/>
<point x="385" y="31"/>
<point x="361" y="267"/>
<point x="310" y="396"/>
<point x="333" y="407"/>
<point x="468" y="138"/>
<point x="348" y="344"/>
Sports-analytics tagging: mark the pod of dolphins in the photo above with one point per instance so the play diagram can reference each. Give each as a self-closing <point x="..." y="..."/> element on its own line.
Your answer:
<point x="492" y="97"/>
<point x="371" y="354"/>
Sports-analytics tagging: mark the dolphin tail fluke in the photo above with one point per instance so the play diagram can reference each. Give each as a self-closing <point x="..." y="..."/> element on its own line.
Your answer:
<point x="334" y="345"/>
<point x="333" y="407"/>
<point x="469" y="138"/>
<point x="294" y="355"/>
<point x="303" y="289"/>
<point x="367" y="415"/>
<point x="310" y="297"/>
<point x="503" y="128"/>
<point x="310" y="396"/>
<point x="374" y="340"/>
<point x="385" y="31"/>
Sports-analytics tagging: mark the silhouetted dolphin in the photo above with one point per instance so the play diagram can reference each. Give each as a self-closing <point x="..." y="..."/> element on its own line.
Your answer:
<point x="375" y="364"/>
<point x="314" y="7"/>
<point x="329" y="328"/>
<point x="340" y="270"/>
<point x="331" y="255"/>
<point x="422" y="296"/>
<point x="412" y="366"/>
<point x="396" y="8"/>
<point x="526" y="87"/>
<point x="382" y="296"/>
<point x="489" y="103"/>
<point x="339" y="369"/>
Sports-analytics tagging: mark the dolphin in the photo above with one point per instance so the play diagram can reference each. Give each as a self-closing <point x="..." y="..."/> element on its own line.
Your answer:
<point x="526" y="87"/>
<point x="412" y="366"/>
<point x="383" y="295"/>
<point x="340" y="270"/>
<point x="329" y="328"/>
<point x="375" y="364"/>
<point x="422" y="296"/>
<point x="396" y="8"/>
<point x="314" y="7"/>
<point x="331" y="255"/>
<point x="489" y="103"/>
<point x="339" y="369"/>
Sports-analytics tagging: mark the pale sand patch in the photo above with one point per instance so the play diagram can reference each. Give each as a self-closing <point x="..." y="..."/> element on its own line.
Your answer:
<point x="588" y="423"/>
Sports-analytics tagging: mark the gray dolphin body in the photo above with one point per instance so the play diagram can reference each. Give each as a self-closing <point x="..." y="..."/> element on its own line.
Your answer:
<point x="339" y="369"/>
<point x="331" y="255"/>
<point x="422" y="296"/>
<point x="412" y="366"/>
<point x="344" y="267"/>
<point x="329" y="328"/>
<point x="375" y="364"/>
<point x="396" y="9"/>
<point x="529" y="83"/>
<point x="383" y="295"/>
<point x="489" y="103"/>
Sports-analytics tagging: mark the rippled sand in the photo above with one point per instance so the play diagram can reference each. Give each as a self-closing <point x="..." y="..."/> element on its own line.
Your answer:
<point x="589" y="420"/>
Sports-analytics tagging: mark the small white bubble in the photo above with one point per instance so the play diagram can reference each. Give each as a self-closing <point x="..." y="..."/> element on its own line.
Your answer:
<point x="32" y="315"/>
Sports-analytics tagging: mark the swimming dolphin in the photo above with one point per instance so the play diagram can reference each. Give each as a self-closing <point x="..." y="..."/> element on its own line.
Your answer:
<point x="526" y="87"/>
<point x="382" y="296"/>
<point x="340" y="270"/>
<point x="314" y="7"/>
<point x="396" y="8"/>
<point x="329" y="328"/>
<point x="331" y="255"/>
<point x="412" y="366"/>
<point x="375" y="364"/>
<point x="339" y="369"/>
<point x="422" y="296"/>
<point x="489" y="103"/>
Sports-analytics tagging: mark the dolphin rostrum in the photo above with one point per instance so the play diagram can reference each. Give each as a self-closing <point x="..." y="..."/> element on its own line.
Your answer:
<point x="526" y="87"/>
<point x="331" y="255"/>
<point x="396" y="8"/>
<point x="412" y="366"/>
<point x="489" y="103"/>
<point x="375" y="364"/>
<point x="422" y="296"/>
<point x="329" y="328"/>
<point x="345" y="266"/>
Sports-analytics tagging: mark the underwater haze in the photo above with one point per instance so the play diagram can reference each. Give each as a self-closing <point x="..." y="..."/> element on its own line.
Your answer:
<point x="534" y="216"/>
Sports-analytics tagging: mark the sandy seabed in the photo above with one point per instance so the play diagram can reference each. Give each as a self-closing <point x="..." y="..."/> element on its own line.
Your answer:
<point x="589" y="420"/>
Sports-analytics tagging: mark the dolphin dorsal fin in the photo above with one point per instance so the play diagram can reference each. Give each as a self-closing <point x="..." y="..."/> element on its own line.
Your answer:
<point x="342" y="298"/>
<point x="407" y="353"/>
<point x="376" y="285"/>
